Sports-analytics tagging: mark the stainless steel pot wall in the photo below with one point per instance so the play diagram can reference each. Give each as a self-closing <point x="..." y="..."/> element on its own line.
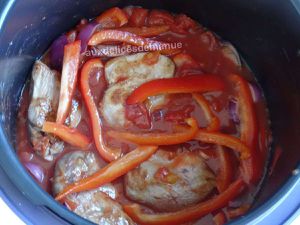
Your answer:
<point x="266" y="33"/>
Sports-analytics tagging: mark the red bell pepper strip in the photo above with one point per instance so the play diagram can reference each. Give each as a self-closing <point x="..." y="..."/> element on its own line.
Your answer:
<point x="68" y="79"/>
<point x="110" y="35"/>
<point x="184" y="135"/>
<point x="224" y="140"/>
<point x="251" y="167"/>
<point x="214" y="122"/>
<point x="189" y="213"/>
<point x="70" y="135"/>
<point x="110" y="172"/>
<point x="187" y="84"/>
<point x="225" y="173"/>
<point x="113" y="17"/>
<point x="106" y="153"/>
<point x="146" y="31"/>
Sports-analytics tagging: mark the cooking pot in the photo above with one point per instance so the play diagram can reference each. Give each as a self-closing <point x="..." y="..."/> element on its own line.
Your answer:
<point x="267" y="35"/>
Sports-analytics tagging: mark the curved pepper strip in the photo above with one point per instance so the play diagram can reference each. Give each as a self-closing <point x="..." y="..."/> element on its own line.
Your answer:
<point x="187" y="84"/>
<point x="70" y="135"/>
<point x="214" y="121"/>
<point x="110" y="35"/>
<point x="68" y="79"/>
<point x="110" y="172"/>
<point x="225" y="174"/>
<point x="184" y="135"/>
<point x="113" y="17"/>
<point x="224" y="140"/>
<point x="106" y="153"/>
<point x="189" y="213"/>
<point x="146" y="31"/>
<point x="252" y="167"/>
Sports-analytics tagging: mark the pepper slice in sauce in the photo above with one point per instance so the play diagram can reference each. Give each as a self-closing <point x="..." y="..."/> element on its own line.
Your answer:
<point x="187" y="84"/>
<point x="252" y="166"/>
<point x="109" y="154"/>
<point x="110" y="35"/>
<point x="184" y="135"/>
<point x="67" y="134"/>
<point x="68" y="79"/>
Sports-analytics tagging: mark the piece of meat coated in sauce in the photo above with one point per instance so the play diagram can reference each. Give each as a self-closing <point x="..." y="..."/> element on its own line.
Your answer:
<point x="124" y="74"/>
<point x="98" y="205"/>
<point x="137" y="66"/>
<point x="45" y="87"/>
<point x="43" y="105"/>
<point x="170" y="181"/>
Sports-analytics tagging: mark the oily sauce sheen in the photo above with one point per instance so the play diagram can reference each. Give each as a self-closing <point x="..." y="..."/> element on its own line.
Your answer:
<point x="206" y="49"/>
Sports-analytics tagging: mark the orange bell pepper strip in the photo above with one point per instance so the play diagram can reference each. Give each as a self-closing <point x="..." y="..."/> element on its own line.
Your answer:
<point x="224" y="140"/>
<point x="146" y="31"/>
<point x="110" y="35"/>
<point x="70" y="135"/>
<point x="110" y="172"/>
<point x="187" y="214"/>
<point x="68" y="79"/>
<point x="184" y="135"/>
<point x="113" y="17"/>
<point x="225" y="173"/>
<point x="108" y="154"/>
<point x="251" y="167"/>
<point x="214" y="121"/>
<point x="187" y="84"/>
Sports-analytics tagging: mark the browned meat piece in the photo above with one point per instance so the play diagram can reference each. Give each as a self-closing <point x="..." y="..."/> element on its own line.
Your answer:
<point x="43" y="105"/>
<point x="98" y="205"/>
<point x="170" y="181"/>
<point x="45" y="87"/>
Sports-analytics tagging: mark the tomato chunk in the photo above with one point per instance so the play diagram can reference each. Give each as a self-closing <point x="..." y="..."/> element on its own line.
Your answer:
<point x="139" y="115"/>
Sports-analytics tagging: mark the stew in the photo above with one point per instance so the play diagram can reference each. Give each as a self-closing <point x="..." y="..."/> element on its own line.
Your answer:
<point x="143" y="116"/>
